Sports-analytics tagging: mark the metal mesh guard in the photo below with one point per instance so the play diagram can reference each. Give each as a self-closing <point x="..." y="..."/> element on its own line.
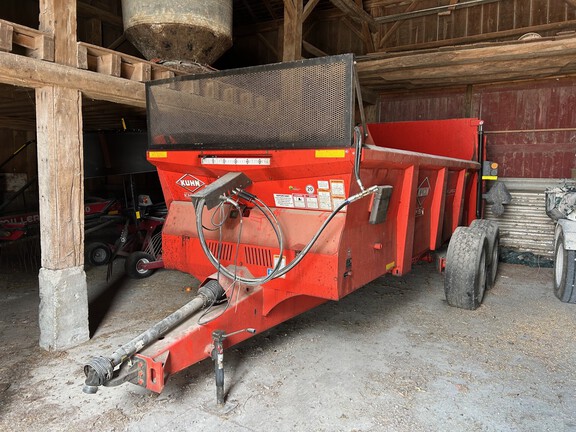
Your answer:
<point x="303" y="104"/>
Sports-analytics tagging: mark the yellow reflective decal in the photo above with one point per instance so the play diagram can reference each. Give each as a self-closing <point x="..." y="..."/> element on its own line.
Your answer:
<point x="330" y="153"/>
<point x="157" y="154"/>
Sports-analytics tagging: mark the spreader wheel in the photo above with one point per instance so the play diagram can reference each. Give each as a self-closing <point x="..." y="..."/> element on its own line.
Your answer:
<point x="564" y="271"/>
<point x="97" y="253"/>
<point x="465" y="279"/>
<point x="133" y="265"/>
<point x="492" y="232"/>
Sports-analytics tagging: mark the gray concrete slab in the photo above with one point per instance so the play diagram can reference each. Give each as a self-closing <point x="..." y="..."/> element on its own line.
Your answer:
<point x="390" y="357"/>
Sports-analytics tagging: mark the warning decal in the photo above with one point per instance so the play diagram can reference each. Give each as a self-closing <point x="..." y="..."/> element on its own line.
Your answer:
<point x="283" y="200"/>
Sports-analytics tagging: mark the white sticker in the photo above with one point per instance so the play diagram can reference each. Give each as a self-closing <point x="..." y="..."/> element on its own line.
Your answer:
<point x="324" y="200"/>
<point x="337" y="201"/>
<point x="283" y="200"/>
<point x="282" y="265"/>
<point x="311" y="202"/>
<point x="309" y="189"/>
<point x="323" y="184"/>
<point x="299" y="201"/>
<point x="337" y="187"/>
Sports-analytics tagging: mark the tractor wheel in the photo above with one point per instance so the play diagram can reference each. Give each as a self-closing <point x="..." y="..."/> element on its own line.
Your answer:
<point x="564" y="271"/>
<point x="465" y="279"/>
<point x="98" y="253"/>
<point x="492" y="232"/>
<point x="133" y="265"/>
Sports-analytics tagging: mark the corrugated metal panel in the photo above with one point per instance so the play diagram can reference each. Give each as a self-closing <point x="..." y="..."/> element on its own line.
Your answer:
<point x="524" y="226"/>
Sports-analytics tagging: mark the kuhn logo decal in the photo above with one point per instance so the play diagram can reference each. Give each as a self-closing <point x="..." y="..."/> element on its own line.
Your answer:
<point x="190" y="183"/>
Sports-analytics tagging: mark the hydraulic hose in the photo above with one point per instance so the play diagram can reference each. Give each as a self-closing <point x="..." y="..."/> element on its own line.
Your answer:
<point x="277" y="271"/>
<point x="248" y="281"/>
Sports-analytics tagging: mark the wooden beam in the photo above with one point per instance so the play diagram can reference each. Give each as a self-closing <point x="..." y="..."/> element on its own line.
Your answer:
<point x="58" y="17"/>
<point x="431" y="11"/>
<point x="60" y="168"/>
<point x="355" y="12"/>
<point x="36" y="44"/>
<point x="450" y="9"/>
<point x="6" y="32"/>
<point x="395" y="26"/>
<point x="317" y="52"/>
<point x="268" y="44"/>
<point x="104" y="60"/>
<point x="27" y="72"/>
<point x="63" y="314"/>
<point x="308" y="9"/>
<point x="292" y="49"/>
<point x="484" y="37"/>
<point x="470" y="65"/>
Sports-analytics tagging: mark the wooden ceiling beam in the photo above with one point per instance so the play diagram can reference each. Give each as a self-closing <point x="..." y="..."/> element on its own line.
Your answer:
<point x="31" y="73"/>
<point x="308" y="9"/>
<point x="355" y="12"/>
<point x="395" y="26"/>
<point x="470" y="65"/>
<point x="431" y="11"/>
<point x="483" y="37"/>
<point x="311" y="49"/>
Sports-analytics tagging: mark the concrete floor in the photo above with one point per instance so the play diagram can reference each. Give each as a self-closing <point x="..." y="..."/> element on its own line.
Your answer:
<point x="390" y="357"/>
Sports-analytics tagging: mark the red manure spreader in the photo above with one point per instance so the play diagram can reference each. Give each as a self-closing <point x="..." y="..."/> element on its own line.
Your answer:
<point x="278" y="203"/>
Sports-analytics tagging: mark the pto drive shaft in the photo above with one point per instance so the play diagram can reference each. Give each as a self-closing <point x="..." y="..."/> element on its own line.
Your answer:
<point x="100" y="370"/>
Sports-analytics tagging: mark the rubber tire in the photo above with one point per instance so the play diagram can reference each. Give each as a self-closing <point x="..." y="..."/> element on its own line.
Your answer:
<point x="97" y="253"/>
<point x="492" y="232"/>
<point x="564" y="271"/>
<point x="133" y="261"/>
<point x="465" y="279"/>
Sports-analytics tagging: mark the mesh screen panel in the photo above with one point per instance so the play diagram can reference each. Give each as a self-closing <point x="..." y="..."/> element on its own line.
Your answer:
<point x="304" y="104"/>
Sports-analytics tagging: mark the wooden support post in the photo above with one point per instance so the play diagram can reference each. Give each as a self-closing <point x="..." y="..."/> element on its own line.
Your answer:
<point x="63" y="290"/>
<point x="293" y="12"/>
<point x="6" y="32"/>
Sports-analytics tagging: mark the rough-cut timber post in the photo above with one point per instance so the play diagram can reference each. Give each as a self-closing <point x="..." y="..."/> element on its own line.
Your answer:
<point x="63" y="289"/>
<point x="293" y="10"/>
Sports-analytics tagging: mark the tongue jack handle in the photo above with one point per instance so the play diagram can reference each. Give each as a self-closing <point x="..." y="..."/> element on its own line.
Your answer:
<point x="218" y="337"/>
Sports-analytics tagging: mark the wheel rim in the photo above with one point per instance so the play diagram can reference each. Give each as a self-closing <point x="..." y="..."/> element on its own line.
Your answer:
<point x="99" y="255"/>
<point x="139" y="264"/>
<point x="559" y="264"/>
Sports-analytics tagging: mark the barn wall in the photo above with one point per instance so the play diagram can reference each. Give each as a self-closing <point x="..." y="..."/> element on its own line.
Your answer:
<point x="530" y="127"/>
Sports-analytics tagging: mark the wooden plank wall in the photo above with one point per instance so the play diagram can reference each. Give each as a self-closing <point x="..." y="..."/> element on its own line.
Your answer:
<point x="530" y="126"/>
<point x="468" y="22"/>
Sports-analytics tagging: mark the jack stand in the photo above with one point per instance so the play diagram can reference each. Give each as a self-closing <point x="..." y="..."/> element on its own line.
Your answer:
<point x="218" y="337"/>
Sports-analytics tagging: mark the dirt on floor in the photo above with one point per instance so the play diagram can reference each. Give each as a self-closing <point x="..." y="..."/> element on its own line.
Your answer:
<point x="392" y="356"/>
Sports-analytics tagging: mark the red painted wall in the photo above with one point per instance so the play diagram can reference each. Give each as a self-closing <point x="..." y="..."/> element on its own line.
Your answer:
<point x="531" y="127"/>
